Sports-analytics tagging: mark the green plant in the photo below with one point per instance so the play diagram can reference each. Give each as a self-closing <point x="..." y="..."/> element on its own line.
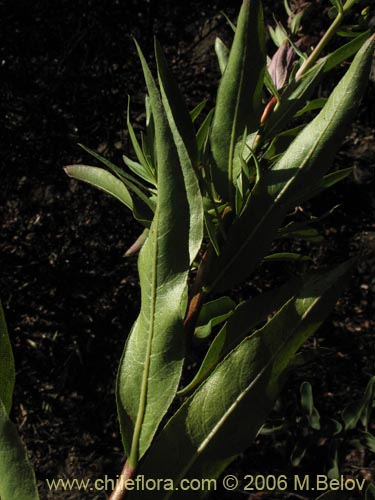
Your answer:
<point x="351" y="429"/>
<point x="212" y="202"/>
<point x="17" y="479"/>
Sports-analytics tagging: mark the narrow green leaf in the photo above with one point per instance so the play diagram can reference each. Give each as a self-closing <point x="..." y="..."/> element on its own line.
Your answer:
<point x="139" y="170"/>
<point x="368" y="441"/>
<point x="334" y="466"/>
<point x="17" y="479"/>
<point x="303" y="164"/>
<point x="294" y="98"/>
<point x="337" y="4"/>
<point x="225" y="413"/>
<point x="211" y="231"/>
<point x="245" y="318"/>
<point x="137" y="148"/>
<point x="202" y="134"/>
<point x="143" y="206"/>
<point x="312" y="106"/>
<point x="303" y="230"/>
<point x="222" y="53"/>
<point x="314" y="419"/>
<point x="148" y="139"/>
<point x="185" y="142"/>
<point x="307" y="402"/>
<point x="101" y="179"/>
<point x="333" y="495"/>
<point x="114" y="168"/>
<point x="370" y="492"/>
<point x="369" y="402"/>
<point x="281" y="142"/>
<point x="270" y="85"/>
<point x="7" y="370"/>
<point x="152" y="361"/>
<point x="230" y="23"/>
<point x="309" y="234"/>
<point x="239" y="95"/>
<point x="287" y="8"/>
<point x="360" y="410"/>
<point x="298" y="452"/>
<point x="327" y="182"/>
<point x="344" y="52"/>
<point x="212" y="314"/>
<point x="287" y="256"/>
<point x="195" y="113"/>
<point x="177" y="113"/>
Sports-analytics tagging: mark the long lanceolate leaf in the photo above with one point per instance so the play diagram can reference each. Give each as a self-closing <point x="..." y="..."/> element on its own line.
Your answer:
<point x="239" y="95"/>
<point x="184" y="137"/>
<point x="101" y="179"/>
<point x="7" y="370"/>
<point x="152" y="361"/>
<point x="247" y="315"/>
<point x="303" y="165"/>
<point x="17" y="478"/>
<point x="223" y="416"/>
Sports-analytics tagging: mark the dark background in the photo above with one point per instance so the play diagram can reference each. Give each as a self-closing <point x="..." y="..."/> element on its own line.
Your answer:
<point x="69" y="295"/>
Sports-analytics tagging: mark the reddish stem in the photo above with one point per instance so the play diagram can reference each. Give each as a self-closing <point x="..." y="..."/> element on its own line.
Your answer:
<point x="120" y="489"/>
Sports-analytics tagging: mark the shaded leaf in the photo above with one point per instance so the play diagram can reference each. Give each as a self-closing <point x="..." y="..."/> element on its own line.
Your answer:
<point x="368" y="441"/>
<point x="239" y="95"/>
<point x="333" y="495"/>
<point x="7" y="370"/>
<point x="203" y="132"/>
<point x="344" y="52"/>
<point x="287" y="256"/>
<point x="360" y="409"/>
<point x="246" y="316"/>
<point x="195" y="113"/>
<point x="212" y="314"/>
<point x="17" y="479"/>
<point x="312" y="106"/>
<point x="298" y="452"/>
<point x="370" y="492"/>
<point x="307" y="402"/>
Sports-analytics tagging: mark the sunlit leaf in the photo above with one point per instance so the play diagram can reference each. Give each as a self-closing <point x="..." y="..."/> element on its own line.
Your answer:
<point x="225" y="413"/>
<point x="151" y="365"/>
<point x="101" y="179"/>
<point x="304" y="163"/>
<point x="222" y="53"/>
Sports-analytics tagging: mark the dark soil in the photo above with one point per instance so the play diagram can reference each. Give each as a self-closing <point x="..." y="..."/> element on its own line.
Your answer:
<point x="70" y="297"/>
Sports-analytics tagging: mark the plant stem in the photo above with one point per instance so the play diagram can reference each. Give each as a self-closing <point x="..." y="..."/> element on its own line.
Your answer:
<point x="319" y="48"/>
<point x="120" y="488"/>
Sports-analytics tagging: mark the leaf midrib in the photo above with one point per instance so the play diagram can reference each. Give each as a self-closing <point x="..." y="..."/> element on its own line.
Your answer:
<point x="243" y="394"/>
<point x="274" y="205"/>
<point x="234" y="125"/>
<point x="134" y="453"/>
